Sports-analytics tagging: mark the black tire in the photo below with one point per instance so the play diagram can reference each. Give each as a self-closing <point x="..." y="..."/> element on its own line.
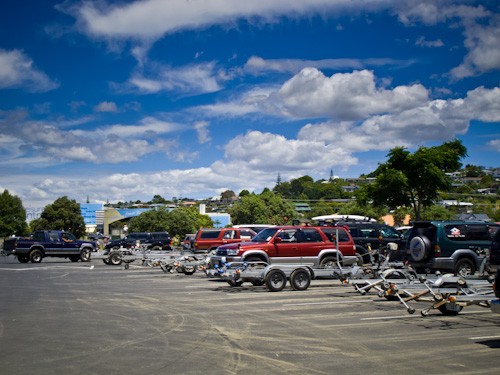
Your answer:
<point x="300" y="279"/>
<point x="329" y="262"/>
<point x="156" y="247"/>
<point x="465" y="267"/>
<point x="443" y="309"/>
<point x="85" y="255"/>
<point x="189" y="270"/>
<point x="420" y="248"/>
<point x="257" y="282"/>
<point x="114" y="258"/>
<point x="275" y="280"/>
<point x="23" y="258"/>
<point x="234" y="283"/>
<point x="36" y="256"/>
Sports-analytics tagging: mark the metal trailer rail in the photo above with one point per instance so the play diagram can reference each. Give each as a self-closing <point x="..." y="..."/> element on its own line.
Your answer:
<point x="187" y="264"/>
<point x="127" y="256"/>
<point x="448" y="293"/>
<point x="275" y="276"/>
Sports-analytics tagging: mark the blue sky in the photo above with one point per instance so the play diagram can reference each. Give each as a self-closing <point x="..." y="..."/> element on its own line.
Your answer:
<point x="123" y="100"/>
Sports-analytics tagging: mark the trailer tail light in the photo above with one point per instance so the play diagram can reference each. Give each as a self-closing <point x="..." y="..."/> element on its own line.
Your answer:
<point x="452" y="299"/>
<point x="437" y="251"/>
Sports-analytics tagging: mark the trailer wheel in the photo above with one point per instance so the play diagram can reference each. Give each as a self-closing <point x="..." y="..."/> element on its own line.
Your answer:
<point x="275" y="280"/>
<point x="23" y="258"/>
<point x="300" y="279"/>
<point x="189" y="270"/>
<point x="114" y="258"/>
<point x="105" y="261"/>
<point x="447" y="310"/>
<point x="257" y="282"/>
<point x="234" y="283"/>
<point x="36" y="256"/>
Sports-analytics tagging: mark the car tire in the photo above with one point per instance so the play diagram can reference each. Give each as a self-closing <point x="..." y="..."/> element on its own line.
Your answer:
<point x="420" y="248"/>
<point x="465" y="267"/>
<point x="329" y="262"/>
<point x="275" y="280"/>
<point x="300" y="279"/>
<point x="85" y="255"/>
<point x="36" y="256"/>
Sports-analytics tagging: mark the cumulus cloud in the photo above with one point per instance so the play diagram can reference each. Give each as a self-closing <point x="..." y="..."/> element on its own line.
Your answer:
<point x="17" y="70"/>
<point x="202" y="131"/>
<point x="494" y="145"/>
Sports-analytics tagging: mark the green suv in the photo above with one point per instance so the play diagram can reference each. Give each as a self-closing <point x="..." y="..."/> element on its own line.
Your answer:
<point x="456" y="246"/>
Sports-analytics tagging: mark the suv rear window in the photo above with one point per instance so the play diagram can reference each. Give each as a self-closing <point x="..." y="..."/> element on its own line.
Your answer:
<point x="210" y="234"/>
<point x="464" y="232"/>
<point x="331" y="232"/>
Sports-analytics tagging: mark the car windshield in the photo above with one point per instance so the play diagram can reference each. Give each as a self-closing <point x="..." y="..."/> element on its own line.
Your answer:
<point x="265" y="235"/>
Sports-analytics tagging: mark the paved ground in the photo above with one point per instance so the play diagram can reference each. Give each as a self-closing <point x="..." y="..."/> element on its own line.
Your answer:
<point x="59" y="317"/>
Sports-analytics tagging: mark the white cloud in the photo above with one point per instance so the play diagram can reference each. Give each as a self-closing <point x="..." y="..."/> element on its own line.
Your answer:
<point x="202" y="131"/>
<point x="494" y="145"/>
<point x="151" y="19"/>
<point x="17" y="70"/>
<point x="185" y="80"/>
<point x="421" y="41"/>
<point x="106" y="107"/>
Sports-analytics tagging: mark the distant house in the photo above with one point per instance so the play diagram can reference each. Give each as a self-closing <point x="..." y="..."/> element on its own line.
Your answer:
<point x="473" y="217"/>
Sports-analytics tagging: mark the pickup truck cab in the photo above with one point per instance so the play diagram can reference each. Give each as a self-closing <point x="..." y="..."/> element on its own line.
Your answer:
<point x="45" y="243"/>
<point x="319" y="246"/>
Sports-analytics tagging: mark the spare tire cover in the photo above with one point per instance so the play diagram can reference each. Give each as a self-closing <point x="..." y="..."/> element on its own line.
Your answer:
<point x="420" y="247"/>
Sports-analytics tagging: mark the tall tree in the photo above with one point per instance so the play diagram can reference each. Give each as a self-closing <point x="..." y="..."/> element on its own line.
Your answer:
<point x="12" y="215"/>
<point x="63" y="214"/>
<point x="414" y="180"/>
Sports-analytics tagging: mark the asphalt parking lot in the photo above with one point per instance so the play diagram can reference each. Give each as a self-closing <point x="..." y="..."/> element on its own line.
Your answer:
<point x="59" y="317"/>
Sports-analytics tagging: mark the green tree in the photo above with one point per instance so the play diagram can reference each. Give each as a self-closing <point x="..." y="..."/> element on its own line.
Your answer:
<point x="266" y="208"/>
<point x="63" y="214"/>
<point x="150" y="221"/>
<point x="436" y="212"/>
<point x="414" y="180"/>
<point x="12" y="215"/>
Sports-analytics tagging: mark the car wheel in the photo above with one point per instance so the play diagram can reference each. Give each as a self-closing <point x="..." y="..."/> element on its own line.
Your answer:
<point x="156" y="247"/>
<point x="329" y="262"/>
<point x="85" y="255"/>
<point x="114" y="258"/>
<point x="36" y="256"/>
<point x="465" y="267"/>
<point x="275" y="280"/>
<point x="420" y="247"/>
<point x="300" y="279"/>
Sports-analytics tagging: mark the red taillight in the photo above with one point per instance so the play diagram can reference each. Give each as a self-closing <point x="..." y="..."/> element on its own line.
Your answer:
<point x="437" y="251"/>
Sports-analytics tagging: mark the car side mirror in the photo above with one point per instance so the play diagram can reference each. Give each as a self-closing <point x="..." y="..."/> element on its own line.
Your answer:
<point x="278" y="239"/>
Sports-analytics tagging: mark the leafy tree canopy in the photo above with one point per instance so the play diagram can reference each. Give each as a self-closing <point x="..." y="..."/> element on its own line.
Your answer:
<point x="63" y="214"/>
<point x="414" y="180"/>
<point x="12" y="215"/>
<point x="266" y="208"/>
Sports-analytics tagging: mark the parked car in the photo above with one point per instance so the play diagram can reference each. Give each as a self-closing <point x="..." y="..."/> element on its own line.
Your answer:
<point x="320" y="246"/>
<point x="152" y="240"/>
<point x="495" y="265"/>
<point x="369" y="235"/>
<point x="456" y="246"/>
<point x="188" y="241"/>
<point x="208" y="239"/>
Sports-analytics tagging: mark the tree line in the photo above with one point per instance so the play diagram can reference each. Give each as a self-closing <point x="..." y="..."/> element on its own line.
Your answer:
<point x="406" y="184"/>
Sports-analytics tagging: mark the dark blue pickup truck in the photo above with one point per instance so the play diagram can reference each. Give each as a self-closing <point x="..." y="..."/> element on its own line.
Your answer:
<point x="48" y="243"/>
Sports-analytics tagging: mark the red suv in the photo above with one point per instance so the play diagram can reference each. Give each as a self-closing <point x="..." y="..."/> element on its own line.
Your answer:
<point x="208" y="239"/>
<point x="318" y="246"/>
